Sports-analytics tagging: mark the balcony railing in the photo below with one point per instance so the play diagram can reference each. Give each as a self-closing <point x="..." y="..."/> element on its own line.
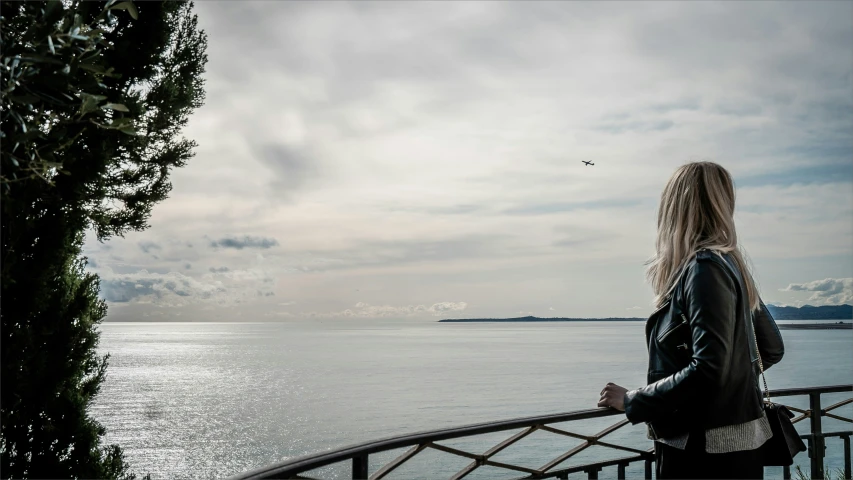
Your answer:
<point x="358" y="454"/>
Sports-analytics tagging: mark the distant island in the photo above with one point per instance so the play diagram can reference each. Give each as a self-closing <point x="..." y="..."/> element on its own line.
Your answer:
<point x="809" y="312"/>
<point x="539" y="319"/>
<point x="806" y="312"/>
<point x="816" y="326"/>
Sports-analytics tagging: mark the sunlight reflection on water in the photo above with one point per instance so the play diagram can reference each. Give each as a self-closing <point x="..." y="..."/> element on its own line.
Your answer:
<point x="203" y="400"/>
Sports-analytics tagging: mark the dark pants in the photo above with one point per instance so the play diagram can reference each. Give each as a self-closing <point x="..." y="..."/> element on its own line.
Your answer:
<point x="695" y="462"/>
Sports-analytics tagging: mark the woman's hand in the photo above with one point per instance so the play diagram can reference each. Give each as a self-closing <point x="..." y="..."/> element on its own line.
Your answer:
<point x="613" y="396"/>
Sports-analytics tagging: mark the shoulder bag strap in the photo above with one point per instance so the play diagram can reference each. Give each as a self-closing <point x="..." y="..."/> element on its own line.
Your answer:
<point x="760" y="364"/>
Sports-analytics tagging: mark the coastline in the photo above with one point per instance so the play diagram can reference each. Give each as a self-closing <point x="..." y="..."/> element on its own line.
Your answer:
<point x="815" y="326"/>
<point x="540" y="319"/>
<point x="808" y="324"/>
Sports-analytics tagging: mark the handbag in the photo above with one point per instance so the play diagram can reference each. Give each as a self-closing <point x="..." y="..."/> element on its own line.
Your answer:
<point x="785" y="444"/>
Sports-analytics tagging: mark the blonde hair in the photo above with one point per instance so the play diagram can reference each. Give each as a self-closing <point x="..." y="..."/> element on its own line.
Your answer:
<point x="696" y="212"/>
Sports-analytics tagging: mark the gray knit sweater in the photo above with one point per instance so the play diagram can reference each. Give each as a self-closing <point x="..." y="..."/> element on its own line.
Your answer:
<point x="730" y="438"/>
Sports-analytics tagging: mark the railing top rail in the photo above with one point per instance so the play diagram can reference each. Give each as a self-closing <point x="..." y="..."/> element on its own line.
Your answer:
<point x="317" y="460"/>
<point x="310" y="462"/>
<point x="788" y="392"/>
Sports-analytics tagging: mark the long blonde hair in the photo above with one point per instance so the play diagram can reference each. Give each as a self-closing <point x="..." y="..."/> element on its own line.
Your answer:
<point x="696" y="211"/>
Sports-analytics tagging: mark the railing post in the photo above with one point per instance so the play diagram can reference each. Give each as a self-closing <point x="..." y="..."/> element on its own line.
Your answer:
<point x="592" y="473"/>
<point x="786" y="472"/>
<point x="620" y="471"/>
<point x="359" y="467"/>
<point x="648" y="470"/>
<point x="847" y="473"/>
<point x="818" y="449"/>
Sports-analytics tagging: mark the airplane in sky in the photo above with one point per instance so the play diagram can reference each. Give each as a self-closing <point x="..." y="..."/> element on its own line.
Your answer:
<point x="588" y="163"/>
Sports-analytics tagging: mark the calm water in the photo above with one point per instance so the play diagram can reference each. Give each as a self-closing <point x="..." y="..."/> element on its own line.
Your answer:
<point x="208" y="400"/>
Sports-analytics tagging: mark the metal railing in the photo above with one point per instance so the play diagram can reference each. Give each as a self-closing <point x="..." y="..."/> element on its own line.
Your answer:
<point x="418" y="442"/>
<point x="817" y="438"/>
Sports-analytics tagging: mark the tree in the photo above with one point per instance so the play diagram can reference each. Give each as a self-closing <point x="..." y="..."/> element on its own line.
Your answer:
<point x="94" y="96"/>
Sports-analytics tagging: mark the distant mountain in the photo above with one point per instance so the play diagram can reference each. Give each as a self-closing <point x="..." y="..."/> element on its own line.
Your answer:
<point x="810" y="312"/>
<point x="806" y="312"/>
<point x="540" y="319"/>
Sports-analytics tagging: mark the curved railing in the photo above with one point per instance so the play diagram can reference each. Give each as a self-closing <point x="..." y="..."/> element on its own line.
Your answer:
<point x="418" y="442"/>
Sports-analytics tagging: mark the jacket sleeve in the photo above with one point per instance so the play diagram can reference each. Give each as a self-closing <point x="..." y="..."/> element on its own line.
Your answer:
<point x="770" y="345"/>
<point x="711" y="302"/>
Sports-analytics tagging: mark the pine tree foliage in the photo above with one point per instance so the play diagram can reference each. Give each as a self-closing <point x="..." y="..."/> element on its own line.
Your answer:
<point x="94" y="97"/>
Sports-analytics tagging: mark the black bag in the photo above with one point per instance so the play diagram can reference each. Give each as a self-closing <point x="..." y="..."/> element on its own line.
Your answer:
<point x="779" y="450"/>
<point x="786" y="443"/>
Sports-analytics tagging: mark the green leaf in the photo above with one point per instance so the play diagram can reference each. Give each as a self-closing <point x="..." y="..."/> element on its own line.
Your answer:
<point x="92" y="68"/>
<point x="115" y="106"/>
<point x="50" y="44"/>
<point x="90" y="104"/>
<point x="128" y="130"/>
<point x="25" y="99"/>
<point x="129" y="6"/>
<point x="95" y="97"/>
<point x="121" y="123"/>
<point x="33" y="58"/>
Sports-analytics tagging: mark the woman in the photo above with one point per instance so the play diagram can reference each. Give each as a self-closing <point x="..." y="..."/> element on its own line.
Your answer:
<point x="703" y="402"/>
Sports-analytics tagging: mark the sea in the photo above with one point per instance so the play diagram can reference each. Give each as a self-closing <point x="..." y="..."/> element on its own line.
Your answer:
<point x="211" y="400"/>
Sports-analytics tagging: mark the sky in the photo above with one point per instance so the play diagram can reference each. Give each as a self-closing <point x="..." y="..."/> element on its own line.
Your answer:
<point x="423" y="160"/>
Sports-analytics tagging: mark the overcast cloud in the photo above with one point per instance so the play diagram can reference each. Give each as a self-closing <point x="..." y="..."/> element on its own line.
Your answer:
<point x="397" y="158"/>
<point x="833" y="291"/>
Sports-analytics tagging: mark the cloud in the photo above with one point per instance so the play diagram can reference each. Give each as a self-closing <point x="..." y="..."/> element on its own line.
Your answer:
<point x="562" y="207"/>
<point x="219" y="269"/>
<point x="148" y="246"/>
<point x="169" y="289"/>
<point x="175" y="289"/>
<point x="829" y="291"/>
<point x="365" y="310"/>
<point x="634" y="308"/>
<point x="637" y="126"/>
<point x="738" y="108"/>
<point x="671" y="106"/>
<point x="293" y="166"/>
<point x="378" y="124"/>
<point x="388" y="253"/>
<point x="439" y="308"/>
<point x="245" y="242"/>
<point x="258" y="275"/>
<point x="439" y="210"/>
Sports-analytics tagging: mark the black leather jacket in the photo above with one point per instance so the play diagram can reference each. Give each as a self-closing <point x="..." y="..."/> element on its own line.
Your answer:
<point x="703" y="369"/>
